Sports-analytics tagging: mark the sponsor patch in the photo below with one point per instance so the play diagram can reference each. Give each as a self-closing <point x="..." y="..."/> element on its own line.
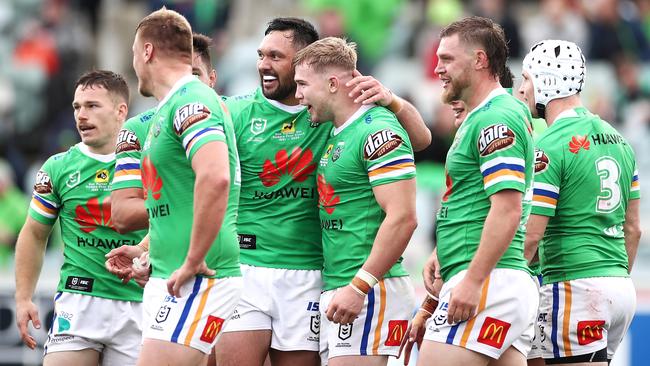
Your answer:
<point x="396" y="332"/>
<point x="590" y="331"/>
<point x="101" y="176"/>
<point x="212" y="328"/>
<point x="289" y="127"/>
<point x="493" y="332"/>
<point x="541" y="161"/>
<point x="43" y="183"/>
<point x="84" y="284"/>
<point x="247" y="241"/>
<point x="495" y="138"/>
<point x="381" y="143"/>
<point x="188" y="115"/>
<point x="127" y="141"/>
<point x="579" y="142"/>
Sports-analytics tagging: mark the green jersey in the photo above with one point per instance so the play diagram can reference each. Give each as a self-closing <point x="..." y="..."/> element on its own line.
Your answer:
<point x="492" y="151"/>
<point x="278" y="216"/>
<point x="74" y="187"/>
<point x="129" y="149"/>
<point x="190" y="116"/>
<point x="539" y="126"/>
<point x="369" y="150"/>
<point x="585" y="176"/>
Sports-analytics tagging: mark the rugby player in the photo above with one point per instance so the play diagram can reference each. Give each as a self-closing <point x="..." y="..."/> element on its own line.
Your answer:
<point x="190" y="174"/>
<point x="586" y="209"/>
<point x="488" y="301"/>
<point x="74" y="186"/>
<point x="366" y="187"/>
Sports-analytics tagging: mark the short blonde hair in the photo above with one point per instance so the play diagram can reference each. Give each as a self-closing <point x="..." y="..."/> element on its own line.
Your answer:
<point x="328" y="52"/>
<point x="168" y="31"/>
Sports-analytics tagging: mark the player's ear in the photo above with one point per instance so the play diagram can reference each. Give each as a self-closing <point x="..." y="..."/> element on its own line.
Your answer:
<point x="481" y="60"/>
<point x="333" y="84"/>
<point x="148" y="51"/>
<point x="122" y="111"/>
<point x="213" y="78"/>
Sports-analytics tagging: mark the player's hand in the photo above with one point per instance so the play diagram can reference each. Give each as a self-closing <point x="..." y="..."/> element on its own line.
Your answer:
<point x="431" y="272"/>
<point x="368" y="90"/>
<point x="184" y="274"/>
<point x="141" y="269"/>
<point x="119" y="261"/>
<point x="345" y="306"/>
<point x="27" y="311"/>
<point x="414" y="335"/>
<point x="463" y="301"/>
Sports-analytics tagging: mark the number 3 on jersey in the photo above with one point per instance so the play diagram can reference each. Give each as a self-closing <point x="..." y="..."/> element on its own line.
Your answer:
<point x="610" y="189"/>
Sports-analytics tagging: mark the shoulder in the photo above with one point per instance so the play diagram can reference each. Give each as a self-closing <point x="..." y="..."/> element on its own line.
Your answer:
<point x="239" y="102"/>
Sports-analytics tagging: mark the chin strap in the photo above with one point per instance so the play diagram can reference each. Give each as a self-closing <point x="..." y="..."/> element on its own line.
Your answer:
<point x="541" y="110"/>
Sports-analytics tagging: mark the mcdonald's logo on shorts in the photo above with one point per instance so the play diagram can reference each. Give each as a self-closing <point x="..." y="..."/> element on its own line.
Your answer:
<point x="396" y="332"/>
<point x="590" y="331"/>
<point x="493" y="332"/>
<point x="211" y="329"/>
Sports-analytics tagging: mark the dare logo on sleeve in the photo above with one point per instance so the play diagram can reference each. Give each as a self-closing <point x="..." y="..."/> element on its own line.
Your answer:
<point x="495" y="138"/>
<point x="43" y="183"/>
<point x="541" y="161"/>
<point x="127" y="141"/>
<point x="381" y="143"/>
<point x="188" y="115"/>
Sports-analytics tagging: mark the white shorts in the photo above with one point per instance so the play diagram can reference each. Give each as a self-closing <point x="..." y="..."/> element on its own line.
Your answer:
<point x="585" y="315"/>
<point x="110" y="327"/>
<point x="285" y="301"/>
<point x="195" y="319"/>
<point x="536" y="349"/>
<point x="379" y="328"/>
<point x="505" y="316"/>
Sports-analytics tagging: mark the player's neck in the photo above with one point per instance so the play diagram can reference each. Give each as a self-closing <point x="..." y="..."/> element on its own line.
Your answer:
<point x="344" y="108"/>
<point x="289" y="101"/>
<point x="167" y="77"/>
<point x="556" y="106"/>
<point x="104" y="149"/>
<point x="479" y="91"/>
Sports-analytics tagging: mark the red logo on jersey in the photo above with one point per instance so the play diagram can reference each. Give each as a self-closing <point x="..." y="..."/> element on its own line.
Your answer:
<point x="211" y="329"/>
<point x="93" y="214"/>
<point x="493" y="332"/>
<point x="299" y="165"/>
<point x="396" y="332"/>
<point x="448" y="183"/>
<point x="577" y="143"/>
<point x="590" y="331"/>
<point x="150" y="179"/>
<point x="326" y="195"/>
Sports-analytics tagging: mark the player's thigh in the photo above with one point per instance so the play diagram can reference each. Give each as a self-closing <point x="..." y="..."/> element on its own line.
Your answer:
<point x="290" y="358"/>
<point x="358" y="361"/>
<point x="435" y="353"/>
<point x="229" y="350"/>
<point x="538" y="361"/>
<point x="84" y="357"/>
<point x="511" y="357"/>
<point x="125" y="338"/>
<point x="157" y="352"/>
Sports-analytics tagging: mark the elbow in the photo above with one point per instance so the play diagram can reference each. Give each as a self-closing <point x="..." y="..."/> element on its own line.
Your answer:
<point x="633" y="232"/>
<point x="215" y="180"/>
<point x="409" y="221"/>
<point x="423" y="141"/>
<point x="120" y="224"/>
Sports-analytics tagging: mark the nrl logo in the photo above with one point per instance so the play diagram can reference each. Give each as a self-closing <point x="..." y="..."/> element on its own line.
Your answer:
<point x="74" y="179"/>
<point x="314" y="325"/>
<point x="258" y="125"/>
<point x="163" y="313"/>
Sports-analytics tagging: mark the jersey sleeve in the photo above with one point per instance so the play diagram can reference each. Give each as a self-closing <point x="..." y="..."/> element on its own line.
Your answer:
<point x="45" y="203"/>
<point x="548" y="173"/>
<point x="127" y="157"/>
<point x="199" y="120"/>
<point x="635" y="189"/>
<point x="387" y="155"/>
<point x="501" y="155"/>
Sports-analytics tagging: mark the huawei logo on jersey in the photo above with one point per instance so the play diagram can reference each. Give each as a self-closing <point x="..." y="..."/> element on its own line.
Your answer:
<point x="150" y="179"/>
<point x="448" y="184"/>
<point x="327" y="197"/>
<point x="93" y="214"/>
<point x="577" y="143"/>
<point x="298" y="165"/>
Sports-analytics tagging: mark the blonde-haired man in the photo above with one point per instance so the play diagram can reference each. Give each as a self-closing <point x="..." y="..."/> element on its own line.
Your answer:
<point x="366" y="186"/>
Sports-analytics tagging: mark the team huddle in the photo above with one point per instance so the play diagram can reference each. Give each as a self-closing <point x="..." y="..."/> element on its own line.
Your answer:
<point x="269" y="228"/>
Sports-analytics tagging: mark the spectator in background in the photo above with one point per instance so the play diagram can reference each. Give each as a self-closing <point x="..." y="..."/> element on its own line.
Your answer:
<point x="500" y="11"/>
<point x="12" y="211"/>
<point x="556" y="19"/>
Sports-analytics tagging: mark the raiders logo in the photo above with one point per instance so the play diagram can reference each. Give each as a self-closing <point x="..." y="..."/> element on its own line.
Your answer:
<point x="541" y="161"/>
<point x="381" y="143"/>
<point x="43" y="183"/>
<point x="188" y="115"/>
<point x="495" y="138"/>
<point x="127" y="141"/>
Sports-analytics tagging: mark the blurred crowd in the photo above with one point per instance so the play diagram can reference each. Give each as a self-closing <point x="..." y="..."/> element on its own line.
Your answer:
<point x="46" y="44"/>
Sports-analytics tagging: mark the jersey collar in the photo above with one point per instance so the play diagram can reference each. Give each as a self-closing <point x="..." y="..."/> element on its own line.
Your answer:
<point x="493" y="94"/>
<point x="569" y="113"/>
<point x="99" y="157"/>
<point x="293" y="109"/>
<point x="180" y="82"/>
<point x="363" y="109"/>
